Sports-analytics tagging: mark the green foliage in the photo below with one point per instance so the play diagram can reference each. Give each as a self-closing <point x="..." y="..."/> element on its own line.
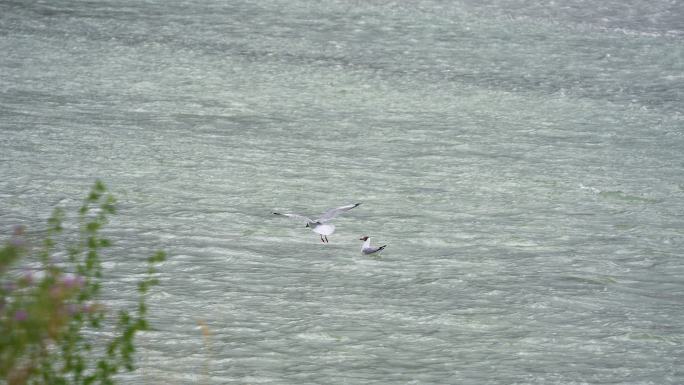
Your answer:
<point x="48" y="318"/>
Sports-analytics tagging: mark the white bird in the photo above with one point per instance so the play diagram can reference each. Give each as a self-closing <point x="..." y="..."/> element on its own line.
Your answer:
<point x="321" y="226"/>
<point x="367" y="248"/>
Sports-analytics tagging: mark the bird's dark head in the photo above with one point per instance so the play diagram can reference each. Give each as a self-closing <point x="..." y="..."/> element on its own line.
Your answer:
<point x="364" y="238"/>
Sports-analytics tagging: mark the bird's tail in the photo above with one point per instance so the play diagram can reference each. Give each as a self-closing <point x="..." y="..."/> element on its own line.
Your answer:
<point x="381" y="247"/>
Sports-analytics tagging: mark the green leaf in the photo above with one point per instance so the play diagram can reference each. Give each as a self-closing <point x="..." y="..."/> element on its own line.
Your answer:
<point x="55" y="221"/>
<point x="94" y="196"/>
<point x="99" y="186"/>
<point x="109" y="205"/>
<point x="142" y="287"/>
<point x="159" y="256"/>
<point x="93" y="226"/>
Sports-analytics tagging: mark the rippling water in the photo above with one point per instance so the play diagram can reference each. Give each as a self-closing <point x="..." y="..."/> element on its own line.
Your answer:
<point x="523" y="160"/>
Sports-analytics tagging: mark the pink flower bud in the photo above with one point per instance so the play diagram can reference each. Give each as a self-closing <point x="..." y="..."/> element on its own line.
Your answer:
<point x="17" y="242"/>
<point x="17" y="239"/>
<point x="72" y="281"/>
<point x="56" y="291"/>
<point x="18" y="230"/>
<point x="9" y="287"/>
<point x="21" y="315"/>
<point x="27" y="279"/>
<point x="72" y="309"/>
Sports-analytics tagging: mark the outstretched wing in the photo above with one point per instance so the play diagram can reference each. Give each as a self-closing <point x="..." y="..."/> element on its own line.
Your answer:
<point x="332" y="213"/>
<point x="295" y="217"/>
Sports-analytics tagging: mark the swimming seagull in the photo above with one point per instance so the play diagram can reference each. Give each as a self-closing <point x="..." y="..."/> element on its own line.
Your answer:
<point x="367" y="248"/>
<point x="321" y="226"/>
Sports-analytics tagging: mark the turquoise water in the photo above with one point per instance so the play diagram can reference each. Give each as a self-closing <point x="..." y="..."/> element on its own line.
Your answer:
<point x="522" y="160"/>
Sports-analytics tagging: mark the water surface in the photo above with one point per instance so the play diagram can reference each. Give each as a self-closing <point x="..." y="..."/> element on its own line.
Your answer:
<point x="523" y="160"/>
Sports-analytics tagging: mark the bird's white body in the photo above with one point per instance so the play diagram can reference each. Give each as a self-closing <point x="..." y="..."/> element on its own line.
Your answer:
<point x="366" y="248"/>
<point x="323" y="229"/>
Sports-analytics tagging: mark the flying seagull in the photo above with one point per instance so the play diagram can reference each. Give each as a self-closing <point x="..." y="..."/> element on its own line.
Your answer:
<point x="321" y="226"/>
<point x="367" y="248"/>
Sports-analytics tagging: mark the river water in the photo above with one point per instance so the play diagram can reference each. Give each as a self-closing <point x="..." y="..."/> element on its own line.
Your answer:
<point x="523" y="160"/>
